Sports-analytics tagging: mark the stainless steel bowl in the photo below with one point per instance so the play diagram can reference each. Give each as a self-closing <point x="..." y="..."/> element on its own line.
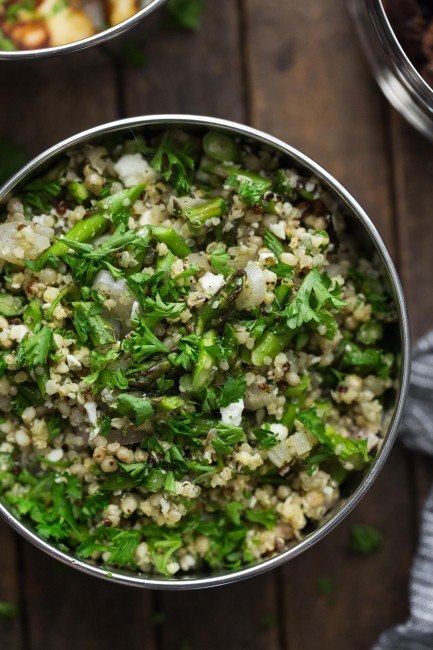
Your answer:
<point x="368" y="237"/>
<point x="96" y="39"/>
<point x="396" y="75"/>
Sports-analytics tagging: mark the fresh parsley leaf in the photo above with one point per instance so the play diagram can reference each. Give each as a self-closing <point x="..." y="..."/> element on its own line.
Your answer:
<point x="267" y="518"/>
<point x="185" y="13"/>
<point x="313" y="302"/>
<point x="272" y="243"/>
<point x="139" y="409"/>
<point x="367" y="360"/>
<point x="174" y="163"/>
<point x="326" y="586"/>
<point x="219" y="261"/>
<point x="162" y="551"/>
<point x="102" y="375"/>
<point x="365" y="539"/>
<point x="90" y="325"/>
<point x="34" y="349"/>
<point x="142" y="343"/>
<point x="255" y="327"/>
<point x="122" y="547"/>
<point x="55" y="425"/>
<point x="233" y="390"/>
<point x="284" y="184"/>
<point x="12" y="157"/>
<point x="346" y="450"/>
<point x="249" y="192"/>
<point x="227" y="436"/>
<point x="282" y="270"/>
<point x="267" y="439"/>
<point x="8" y="610"/>
<point x="156" y="309"/>
<point x="372" y="288"/>
<point x="188" y="355"/>
<point x="40" y="194"/>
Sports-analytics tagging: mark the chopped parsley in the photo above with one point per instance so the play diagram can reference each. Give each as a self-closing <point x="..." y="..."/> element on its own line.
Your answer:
<point x="365" y="540"/>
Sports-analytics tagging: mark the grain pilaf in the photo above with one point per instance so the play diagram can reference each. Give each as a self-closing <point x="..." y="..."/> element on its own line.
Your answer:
<point x="194" y="354"/>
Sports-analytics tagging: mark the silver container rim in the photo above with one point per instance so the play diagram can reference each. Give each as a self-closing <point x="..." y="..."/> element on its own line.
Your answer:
<point x="395" y="73"/>
<point x="351" y="205"/>
<point x="412" y="73"/>
<point x="96" y="39"/>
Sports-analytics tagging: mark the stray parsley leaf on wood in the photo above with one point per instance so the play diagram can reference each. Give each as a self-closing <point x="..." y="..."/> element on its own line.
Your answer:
<point x="185" y="13"/>
<point x="365" y="540"/>
<point x="8" y="610"/>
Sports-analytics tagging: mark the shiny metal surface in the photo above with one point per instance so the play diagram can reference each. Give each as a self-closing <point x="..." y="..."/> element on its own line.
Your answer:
<point x="362" y="227"/>
<point x="396" y="75"/>
<point x="96" y="39"/>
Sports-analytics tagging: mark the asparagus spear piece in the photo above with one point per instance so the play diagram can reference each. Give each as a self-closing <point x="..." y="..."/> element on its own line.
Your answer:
<point x="297" y="395"/>
<point x="219" y="307"/>
<point x="220" y="146"/>
<point x="172" y="240"/>
<point x="198" y="216"/>
<point x="269" y="346"/>
<point x="205" y="367"/>
<point x="166" y="404"/>
<point x="224" y="170"/>
<point x="82" y="231"/>
<point x="79" y="191"/>
<point x="146" y="378"/>
<point x="122" y="199"/>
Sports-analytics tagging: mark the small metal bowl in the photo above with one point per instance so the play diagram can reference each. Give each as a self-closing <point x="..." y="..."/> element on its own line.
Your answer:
<point x="398" y="78"/>
<point x="367" y="237"/>
<point x="105" y="35"/>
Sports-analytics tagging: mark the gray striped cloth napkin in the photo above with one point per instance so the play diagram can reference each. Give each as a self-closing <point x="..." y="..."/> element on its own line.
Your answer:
<point x="417" y="434"/>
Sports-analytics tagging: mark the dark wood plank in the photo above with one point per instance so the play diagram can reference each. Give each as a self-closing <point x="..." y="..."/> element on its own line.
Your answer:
<point x="10" y="629"/>
<point x="53" y="99"/>
<point x="413" y="182"/>
<point x="368" y="594"/>
<point x="70" y="610"/>
<point x="239" y="616"/>
<point x="189" y="72"/>
<point x="312" y="87"/>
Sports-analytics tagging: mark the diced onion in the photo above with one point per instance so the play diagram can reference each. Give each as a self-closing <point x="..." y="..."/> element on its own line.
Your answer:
<point x="254" y="290"/>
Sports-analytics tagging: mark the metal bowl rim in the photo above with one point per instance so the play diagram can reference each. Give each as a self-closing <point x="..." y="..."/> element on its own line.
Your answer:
<point x="166" y="120"/>
<point x="96" y="39"/>
<point x="411" y="76"/>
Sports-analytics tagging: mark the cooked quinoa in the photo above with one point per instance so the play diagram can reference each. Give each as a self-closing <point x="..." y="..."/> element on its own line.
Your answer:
<point x="193" y="354"/>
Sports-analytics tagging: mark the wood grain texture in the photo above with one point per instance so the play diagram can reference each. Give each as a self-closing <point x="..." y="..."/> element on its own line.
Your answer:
<point x="368" y="593"/>
<point x="53" y="99"/>
<point x="309" y="85"/>
<point x="238" y="616"/>
<point x="413" y="183"/>
<point x="198" y="73"/>
<point x="10" y="629"/>
<point x="70" y="610"/>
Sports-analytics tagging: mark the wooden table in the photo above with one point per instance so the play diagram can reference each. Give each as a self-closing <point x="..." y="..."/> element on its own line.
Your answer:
<point x="295" y="70"/>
